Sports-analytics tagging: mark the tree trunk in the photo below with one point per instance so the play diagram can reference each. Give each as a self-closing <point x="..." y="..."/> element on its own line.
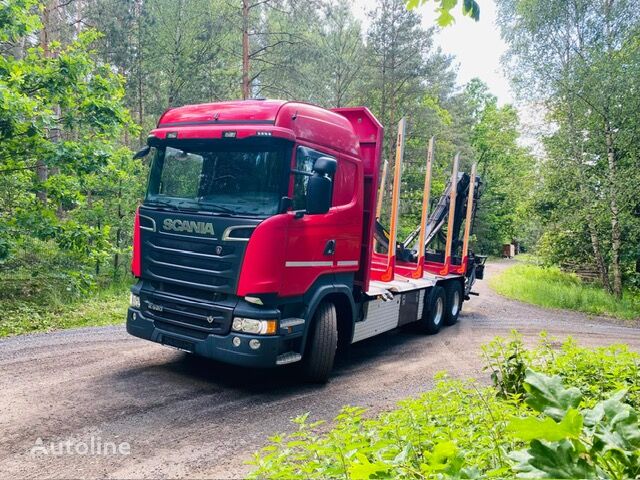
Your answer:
<point x="116" y="256"/>
<point x="603" y="271"/>
<point x="596" y="246"/>
<point x="246" y="88"/>
<point x="42" y="170"/>
<point x="42" y="173"/>
<point x="616" y="242"/>
<point x="139" y="60"/>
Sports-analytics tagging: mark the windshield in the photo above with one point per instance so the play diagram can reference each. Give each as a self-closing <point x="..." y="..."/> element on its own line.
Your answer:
<point x="244" y="177"/>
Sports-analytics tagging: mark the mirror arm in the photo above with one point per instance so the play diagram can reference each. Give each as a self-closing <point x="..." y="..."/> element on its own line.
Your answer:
<point x="301" y="172"/>
<point x="143" y="152"/>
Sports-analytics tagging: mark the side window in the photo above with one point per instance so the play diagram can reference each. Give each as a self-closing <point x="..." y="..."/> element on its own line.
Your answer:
<point x="305" y="158"/>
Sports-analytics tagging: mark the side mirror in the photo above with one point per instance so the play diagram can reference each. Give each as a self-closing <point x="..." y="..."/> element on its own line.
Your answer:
<point x="325" y="166"/>
<point x="319" y="188"/>
<point x="318" y="194"/>
<point x="143" y="152"/>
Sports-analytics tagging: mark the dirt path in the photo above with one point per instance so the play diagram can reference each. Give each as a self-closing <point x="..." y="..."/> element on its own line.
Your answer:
<point x="184" y="417"/>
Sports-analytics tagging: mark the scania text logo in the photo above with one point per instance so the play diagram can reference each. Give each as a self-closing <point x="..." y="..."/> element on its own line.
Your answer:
<point x="189" y="226"/>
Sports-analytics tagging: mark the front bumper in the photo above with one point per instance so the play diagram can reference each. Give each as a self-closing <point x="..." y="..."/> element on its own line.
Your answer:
<point x="217" y="347"/>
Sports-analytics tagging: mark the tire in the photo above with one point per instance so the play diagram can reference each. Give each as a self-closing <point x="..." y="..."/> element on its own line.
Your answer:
<point x="454" y="299"/>
<point x="433" y="313"/>
<point x="322" y="344"/>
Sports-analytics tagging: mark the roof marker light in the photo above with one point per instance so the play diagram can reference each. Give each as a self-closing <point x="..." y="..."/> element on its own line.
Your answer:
<point x="263" y="134"/>
<point x="229" y="134"/>
<point x="172" y="134"/>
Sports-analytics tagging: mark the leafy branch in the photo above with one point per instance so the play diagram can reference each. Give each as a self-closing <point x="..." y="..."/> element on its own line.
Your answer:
<point x="470" y="8"/>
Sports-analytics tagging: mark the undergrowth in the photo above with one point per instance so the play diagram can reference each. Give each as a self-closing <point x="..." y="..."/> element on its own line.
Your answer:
<point x="56" y="308"/>
<point x="554" y="411"/>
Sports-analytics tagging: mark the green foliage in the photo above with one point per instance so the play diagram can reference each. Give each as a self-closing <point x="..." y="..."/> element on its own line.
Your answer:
<point x="461" y="430"/>
<point x="52" y="302"/>
<point x="603" y="442"/>
<point x="67" y="187"/>
<point x="508" y="363"/>
<point x="470" y="8"/>
<point x="586" y="81"/>
<point x="426" y="437"/>
<point x="506" y="170"/>
<point x="552" y="288"/>
<point x="17" y="18"/>
<point x="596" y="372"/>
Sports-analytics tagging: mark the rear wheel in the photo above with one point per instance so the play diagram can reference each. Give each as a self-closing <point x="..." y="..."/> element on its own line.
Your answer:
<point x="453" y="294"/>
<point x="432" y="317"/>
<point x="322" y="344"/>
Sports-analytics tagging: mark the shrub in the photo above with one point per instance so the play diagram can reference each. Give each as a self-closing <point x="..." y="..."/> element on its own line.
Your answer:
<point x="456" y="430"/>
<point x="529" y="424"/>
<point x="566" y="442"/>
<point x="598" y="372"/>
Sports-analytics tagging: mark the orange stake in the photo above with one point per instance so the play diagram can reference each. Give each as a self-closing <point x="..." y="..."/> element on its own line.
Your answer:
<point x="417" y="273"/>
<point x="467" y="221"/>
<point x="395" y="203"/>
<point x="452" y="212"/>
<point x="383" y="181"/>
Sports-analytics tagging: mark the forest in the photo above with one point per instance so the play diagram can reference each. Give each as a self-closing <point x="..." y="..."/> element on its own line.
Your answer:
<point x="83" y="81"/>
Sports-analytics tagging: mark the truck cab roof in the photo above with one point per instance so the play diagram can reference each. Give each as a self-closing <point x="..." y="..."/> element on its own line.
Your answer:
<point x="300" y="121"/>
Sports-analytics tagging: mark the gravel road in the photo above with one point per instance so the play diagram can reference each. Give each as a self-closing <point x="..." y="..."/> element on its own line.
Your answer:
<point x="184" y="417"/>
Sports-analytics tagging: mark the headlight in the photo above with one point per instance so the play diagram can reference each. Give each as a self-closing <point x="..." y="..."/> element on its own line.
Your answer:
<point x="253" y="326"/>
<point x="134" y="301"/>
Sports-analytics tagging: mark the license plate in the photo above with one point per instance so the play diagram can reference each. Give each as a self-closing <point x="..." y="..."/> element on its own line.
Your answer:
<point x="178" y="344"/>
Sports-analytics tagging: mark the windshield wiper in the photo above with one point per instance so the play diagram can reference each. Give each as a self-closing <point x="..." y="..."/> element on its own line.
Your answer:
<point x="174" y="205"/>
<point x="218" y="208"/>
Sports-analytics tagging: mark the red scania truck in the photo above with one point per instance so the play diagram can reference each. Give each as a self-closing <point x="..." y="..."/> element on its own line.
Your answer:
<point x="255" y="242"/>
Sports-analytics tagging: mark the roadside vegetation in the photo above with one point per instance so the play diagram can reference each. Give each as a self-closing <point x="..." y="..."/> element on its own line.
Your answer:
<point x="570" y="412"/>
<point x="49" y="309"/>
<point x="552" y="288"/>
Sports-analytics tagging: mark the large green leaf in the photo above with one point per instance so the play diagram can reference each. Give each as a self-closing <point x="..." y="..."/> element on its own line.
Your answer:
<point x="364" y="468"/>
<point x="615" y="425"/>
<point x="552" y="460"/>
<point x="547" y="429"/>
<point x="547" y="395"/>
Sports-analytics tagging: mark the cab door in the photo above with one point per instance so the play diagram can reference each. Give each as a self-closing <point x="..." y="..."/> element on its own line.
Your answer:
<point x="320" y="244"/>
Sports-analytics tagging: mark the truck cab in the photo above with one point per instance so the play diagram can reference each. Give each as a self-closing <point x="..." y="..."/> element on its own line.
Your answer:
<point x="253" y="214"/>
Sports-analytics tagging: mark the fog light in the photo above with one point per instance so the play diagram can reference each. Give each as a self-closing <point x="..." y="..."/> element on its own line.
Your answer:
<point x="134" y="300"/>
<point x="254" y="343"/>
<point x="134" y="316"/>
<point x="236" y="341"/>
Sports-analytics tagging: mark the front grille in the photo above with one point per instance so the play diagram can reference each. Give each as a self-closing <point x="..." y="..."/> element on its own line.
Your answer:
<point x="188" y="292"/>
<point x="199" y="267"/>
<point x="199" y="263"/>
<point x="187" y="317"/>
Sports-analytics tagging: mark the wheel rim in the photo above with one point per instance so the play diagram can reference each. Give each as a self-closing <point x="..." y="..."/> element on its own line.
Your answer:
<point x="437" y="317"/>
<point x="455" y="305"/>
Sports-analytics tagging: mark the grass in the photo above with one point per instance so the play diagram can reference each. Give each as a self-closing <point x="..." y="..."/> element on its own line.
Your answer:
<point x="550" y="287"/>
<point x="105" y="306"/>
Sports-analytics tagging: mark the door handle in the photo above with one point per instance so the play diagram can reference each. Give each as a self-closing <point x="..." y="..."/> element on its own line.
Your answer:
<point x="330" y="248"/>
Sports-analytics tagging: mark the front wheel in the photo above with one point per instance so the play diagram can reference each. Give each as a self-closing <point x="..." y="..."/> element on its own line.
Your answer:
<point x="322" y="344"/>
<point x="453" y="293"/>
